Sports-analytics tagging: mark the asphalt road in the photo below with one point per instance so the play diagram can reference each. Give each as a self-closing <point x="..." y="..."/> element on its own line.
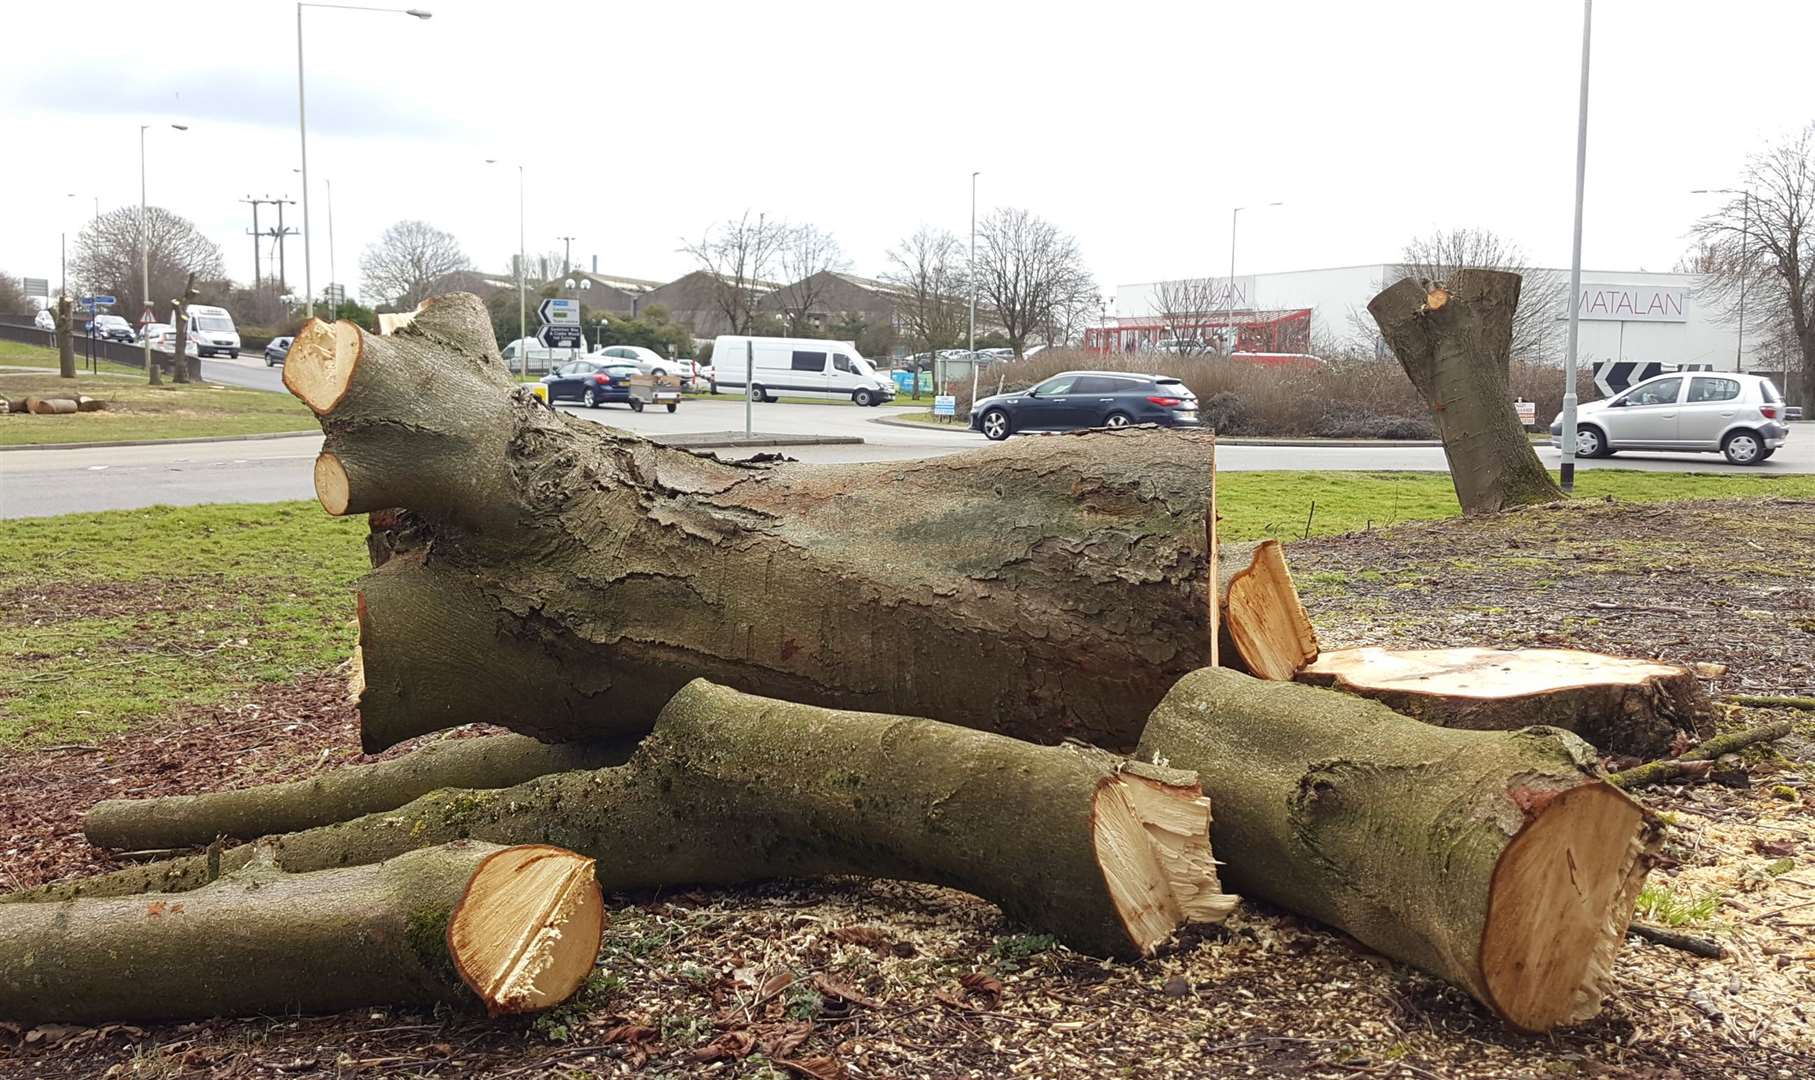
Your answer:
<point x="35" y="483"/>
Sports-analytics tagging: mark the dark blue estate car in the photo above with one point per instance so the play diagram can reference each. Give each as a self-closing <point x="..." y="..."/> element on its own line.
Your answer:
<point x="592" y="383"/>
<point x="1087" y="399"/>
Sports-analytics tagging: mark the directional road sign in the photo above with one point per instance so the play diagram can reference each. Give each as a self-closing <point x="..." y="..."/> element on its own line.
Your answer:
<point x="1615" y="376"/>
<point x="557" y="312"/>
<point x="99" y="301"/>
<point x="560" y="337"/>
<point x="37" y="286"/>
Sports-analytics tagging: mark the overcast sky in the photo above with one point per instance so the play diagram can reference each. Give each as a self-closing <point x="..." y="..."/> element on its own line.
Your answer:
<point x="1136" y="126"/>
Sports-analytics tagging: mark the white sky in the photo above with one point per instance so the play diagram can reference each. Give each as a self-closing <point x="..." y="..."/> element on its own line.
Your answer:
<point x="1134" y="125"/>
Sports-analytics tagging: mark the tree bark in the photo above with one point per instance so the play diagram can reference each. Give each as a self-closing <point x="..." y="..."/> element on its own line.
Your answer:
<point x="1454" y="341"/>
<point x="66" y="337"/>
<point x="511" y="929"/>
<point x="1263" y="626"/>
<point x="492" y="761"/>
<point x="1622" y="706"/>
<point x="1047" y="588"/>
<point x="38" y="406"/>
<point x="1108" y="855"/>
<point x="182" y="370"/>
<point x="1502" y="862"/>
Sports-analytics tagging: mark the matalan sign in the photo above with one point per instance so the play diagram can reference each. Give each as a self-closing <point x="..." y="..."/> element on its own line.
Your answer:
<point x="1634" y="303"/>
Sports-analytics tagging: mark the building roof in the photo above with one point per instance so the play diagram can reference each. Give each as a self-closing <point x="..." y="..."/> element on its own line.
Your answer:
<point x="620" y="282"/>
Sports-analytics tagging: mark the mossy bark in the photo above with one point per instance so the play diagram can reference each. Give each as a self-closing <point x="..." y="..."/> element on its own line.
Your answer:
<point x="731" y="788"/>
<point x="492" y="761"/>
<point x="1446" y="849"/>
<point x="1047" y="588"/>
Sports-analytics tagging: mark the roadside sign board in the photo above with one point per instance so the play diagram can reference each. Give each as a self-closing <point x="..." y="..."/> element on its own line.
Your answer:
<point x="557" y="312"/>
<point x="560" y="337"/>
<point x="1615" y="376"/>
<point x="37" y="286"/>
<point x="1528" y="412"/>
<point x="945" y="405"/>
<point x="98" y="301"/>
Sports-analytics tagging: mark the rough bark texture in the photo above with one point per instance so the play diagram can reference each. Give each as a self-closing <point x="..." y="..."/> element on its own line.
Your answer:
<point x="185" y="368"/>
<point x="1263" y="626"/>
<point x="1622" y="706"/>
<point x="66" y="336"/>
<point x="1454" y="341"/>
<point x="493" y="761"/>
<point x="38" y="406"/>
<point x="1045" y="588"/>
<point x="732" y="788"/>
<point x="1500" y="861"/>
<point x="262" y="941"/>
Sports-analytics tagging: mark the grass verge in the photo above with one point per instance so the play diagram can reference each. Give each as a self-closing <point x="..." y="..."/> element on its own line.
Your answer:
<point x="19" y="354"/>
<point x="136" y="411"/>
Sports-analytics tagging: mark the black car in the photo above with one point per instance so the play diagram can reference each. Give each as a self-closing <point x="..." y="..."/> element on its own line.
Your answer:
<point x="1087" y="399"/>
<point x="592" y="383"/>
<point x="275" y="352"/>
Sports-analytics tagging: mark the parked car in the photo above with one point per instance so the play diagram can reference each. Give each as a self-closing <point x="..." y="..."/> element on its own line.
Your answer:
<point x="592" y="383"/>
<point x="276" y="350"/>
<point x="163" y="339"/>
<point x="113" y="328"/>
<point x="1738" y="415"/>
<point x="540" y="356"/>
<point x="212" y="330"/>
<point x="804" y="367"/>
<point x="648" y="361"/>
<point x="152" y="330"/>
<point x="44" y="320"/>
<point x="1087" y="399"/>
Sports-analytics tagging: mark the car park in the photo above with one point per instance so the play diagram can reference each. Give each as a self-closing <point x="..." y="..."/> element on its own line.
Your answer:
<point x="1074" y="400"/>
<point x="1737" y="415"/>
<point x="593" y="382"/>
<point x="276" y="349"/>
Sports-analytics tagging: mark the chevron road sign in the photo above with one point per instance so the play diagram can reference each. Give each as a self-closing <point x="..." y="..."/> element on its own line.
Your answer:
<point x="1615" y="376"/>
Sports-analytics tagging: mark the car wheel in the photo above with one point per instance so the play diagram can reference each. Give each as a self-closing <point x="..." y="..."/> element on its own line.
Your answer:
<point x="1766" y="455"/>
<point x="589" y="399"/>
<point x="1116" y="420"/>
<point x="863" y="398"/>
<point x="1590" y="443"/>
<point x="635" y="405"/>
<point x="757" y="393"/>
<point x="1743" y="448"/>
<point x="672" y="406"/>
<point x="660" y="373"/>
<point x="995" y="425"/>
<point x="233" y="354"/>
<point x="270" y="362"/>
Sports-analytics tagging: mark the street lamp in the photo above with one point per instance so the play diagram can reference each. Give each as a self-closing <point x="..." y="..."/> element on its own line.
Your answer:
<point x="302" y="128"/>
<point x="1229" y="292"/>
<point x="145" y="257"/>
<point x="1566" y="470"/>
<point x="973" y="276"/>
<point x="522" y="272"/>
<point x="334" y="308"/>
<point x="1745" y="262"/>
<point x="583" y="285"/>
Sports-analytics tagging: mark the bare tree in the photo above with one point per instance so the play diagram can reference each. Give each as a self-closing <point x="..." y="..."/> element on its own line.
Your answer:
<point x="1182" y="307"/>
<point x="1027" y="270"/>
<point x="183" y="367"/>
<point x="13" y="300"/>
<point x="1543" y="294"/>
<point x="806" y="254"/>
<point x="740" y="256"/>
<point x="928" y="268"/>
<point x="405" y="264"/>
<point x="107" y="256"/>
<point x="1761" y="245"/>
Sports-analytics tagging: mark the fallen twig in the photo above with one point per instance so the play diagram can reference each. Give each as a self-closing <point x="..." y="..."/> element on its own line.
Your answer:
<point x="1692" y="760"/>
<point x="1774" y="701"/>
<point x="1659" y="936"/>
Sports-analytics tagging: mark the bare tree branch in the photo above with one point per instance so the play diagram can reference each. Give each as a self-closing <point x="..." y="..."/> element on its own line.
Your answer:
<point x="107" y="257"/>
<point x="806" y="253"/>
<point x="1536" y="332"/>
<point x="1032" y="275"/>
<point x="740" y="256"/>
<point x="928" y="267"/>
<point x="405" y="264"/>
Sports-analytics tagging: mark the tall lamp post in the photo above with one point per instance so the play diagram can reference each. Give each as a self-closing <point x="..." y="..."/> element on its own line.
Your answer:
<point x="302" y="128"/>
<point x="1745" y="261"/>
<point x="333" y="308"/>
<point x="1229" y="292"/>
<point x="973" y="276"/>
<point x="1566" y="471"/>
<point x="145" y="257"/>
<point x="522" y="272"/>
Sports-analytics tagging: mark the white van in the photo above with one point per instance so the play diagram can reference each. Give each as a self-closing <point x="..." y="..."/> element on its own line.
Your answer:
<point x="212" y="330"/>
<point x="798" y="367"/>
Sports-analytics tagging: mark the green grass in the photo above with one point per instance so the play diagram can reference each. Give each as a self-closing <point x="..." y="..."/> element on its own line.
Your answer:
<point x="1658" y="905"/>
<point x="19" y="354"/>
<point x="138" y="411"/>
<point x="115" y="618"/>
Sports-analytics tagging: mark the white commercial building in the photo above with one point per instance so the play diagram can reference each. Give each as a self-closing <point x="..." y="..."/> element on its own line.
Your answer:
<point x="1626" y="315"/>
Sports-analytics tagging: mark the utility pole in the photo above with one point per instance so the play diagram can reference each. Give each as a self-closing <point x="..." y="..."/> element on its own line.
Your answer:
<point x="277" y="235"/>
<point x="258" y="274"/>
<point x="566" y="254"/>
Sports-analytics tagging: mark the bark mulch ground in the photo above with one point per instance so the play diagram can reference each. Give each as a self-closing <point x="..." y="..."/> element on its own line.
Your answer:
<point x="850" y="978"/>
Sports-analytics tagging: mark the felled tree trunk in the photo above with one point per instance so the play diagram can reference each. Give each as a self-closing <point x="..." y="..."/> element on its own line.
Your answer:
<point x="1502" y="862"/>
<point x="38" y="406"/>
<point x="511" y="929"/>
<point x="1622" y="706"/>
<point x="493" y="761"/>
<point x="1046" y="588"/>
<point x="1454" y="340"/>
<point x="185" y="368"/>
<point x="1263" y="626"/>
<point x="1106" y="854"/>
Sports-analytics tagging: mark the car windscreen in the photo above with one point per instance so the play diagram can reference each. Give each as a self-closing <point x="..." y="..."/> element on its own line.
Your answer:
<point x="1770" y="390"/>
<point x="214" y="324"/>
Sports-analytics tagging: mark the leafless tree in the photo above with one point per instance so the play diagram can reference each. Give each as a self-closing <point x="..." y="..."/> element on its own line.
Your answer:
<point x="404" y="265"/>
<point x="1028" y="271"/>
<point x="806" y="254"/>
<point x="741" y="257"/>
<point x="1762" y="245"/>
<point x="107" y="258"/>
<point x="1183" y="306"/>
<point x="13" y="300"/>
<point x="928" y="269"/>
<point x="1543" y="294"/>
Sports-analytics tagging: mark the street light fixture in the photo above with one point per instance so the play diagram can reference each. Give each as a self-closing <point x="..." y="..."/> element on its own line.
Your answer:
<point x="302" y="128"/>
<point x="972" y="269"/>
<point x="1745" y="261"/>
<point x="1229" y="290"/>
<point x="522" y="273"/>
<point x="145" y="258"/>
<point x="1566" y="468"/>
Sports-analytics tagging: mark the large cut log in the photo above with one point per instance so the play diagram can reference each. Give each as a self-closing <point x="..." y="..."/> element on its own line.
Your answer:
<point x="1622" y="706"/>
<point x="1455" y="341"/>
<point x="492" y="761"/>
<point x="1047" y="588"/>
<point x="1263" y="626"/>
<point x="509" y="929"/>
<point x="1111" y="856"/>
<point x="1500" y="861"/>
<point x="38" y="406"/>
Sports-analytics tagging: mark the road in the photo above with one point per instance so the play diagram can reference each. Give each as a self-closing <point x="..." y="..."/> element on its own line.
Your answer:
<point x="37" y="483"/>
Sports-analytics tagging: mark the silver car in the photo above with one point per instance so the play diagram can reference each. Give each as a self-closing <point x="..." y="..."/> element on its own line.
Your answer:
<point x="1741" y="416"/>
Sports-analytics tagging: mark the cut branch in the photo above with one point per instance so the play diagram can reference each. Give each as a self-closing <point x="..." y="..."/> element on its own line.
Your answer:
<point x="1263" y="626"/>
<point x="1500" y="861"/>
<point x="1694" y="761"/>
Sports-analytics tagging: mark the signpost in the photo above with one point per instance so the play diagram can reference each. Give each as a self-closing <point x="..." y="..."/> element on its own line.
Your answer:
<point x="560" y="325"/>
<point x="37" y="286"/>
<point x="945" y="405"/>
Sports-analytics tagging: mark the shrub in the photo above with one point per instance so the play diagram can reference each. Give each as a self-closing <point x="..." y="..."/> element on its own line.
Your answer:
<point x="1224" y="413"/>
